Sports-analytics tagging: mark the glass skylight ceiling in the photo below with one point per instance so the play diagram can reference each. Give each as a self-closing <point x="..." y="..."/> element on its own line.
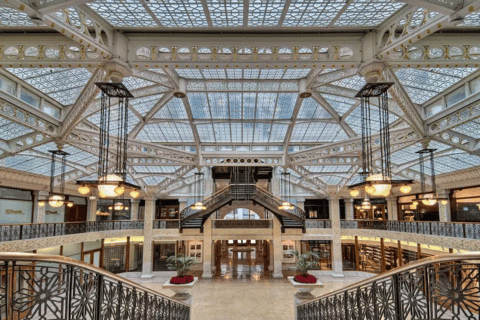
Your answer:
<point x="423" y="84"/>
<point x="236" y="74"/>
<point x="242" y="132"/>
<point x="10" y="130"/>
<point x="31" y="164"/>
<point x="12" y="18"/>
<point x="318" y="132"/>
<point x="230" y="13"/>
<point x="166" y="132"/>
<point x="63" y="85"/>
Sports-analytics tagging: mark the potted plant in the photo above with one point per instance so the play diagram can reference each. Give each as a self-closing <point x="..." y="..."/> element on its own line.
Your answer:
<point x="182" y="282"/>
<point x="303" y="281"/>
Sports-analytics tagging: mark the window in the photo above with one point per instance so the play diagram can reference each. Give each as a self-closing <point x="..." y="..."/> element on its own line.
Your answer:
<point x="8" y="85"/>
<point x="434" y="108"/>
<point x="51" y="110"/>
<point x="475" y="85"/>
<point x="456" y="96"/>
<point x="312" y="214"/>
<point x="30" y="98"/>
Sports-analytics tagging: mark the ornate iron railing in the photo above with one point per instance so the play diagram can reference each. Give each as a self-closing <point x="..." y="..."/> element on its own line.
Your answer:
<point x="440" y="287"/>
<point x="466" y="230"/>
<point x="12" y="232"/>
<point x="318" y="224"/>
<point x="220" y="196"/>
<point x="166" y="224"/>
<point x="231" y="224"/>
<point x="276" y="202"/>
<point x="54" y="287"/>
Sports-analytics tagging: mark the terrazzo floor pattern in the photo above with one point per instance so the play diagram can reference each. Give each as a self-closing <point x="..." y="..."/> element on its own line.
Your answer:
<point x="245" y="301"/>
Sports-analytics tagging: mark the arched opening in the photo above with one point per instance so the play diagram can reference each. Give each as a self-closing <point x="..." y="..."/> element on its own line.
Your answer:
<point x="241" y="214"/>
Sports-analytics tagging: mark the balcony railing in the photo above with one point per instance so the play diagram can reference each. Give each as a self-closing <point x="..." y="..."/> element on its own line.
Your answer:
<point x="465" y="230"/>
<point x="440" y="287"/>
<point x="54" y="287"/>
<point x="318" y="224"/>
<point x="242" y="224"/>
<point x="166" y="224"/>
<point x="12" y="232"/>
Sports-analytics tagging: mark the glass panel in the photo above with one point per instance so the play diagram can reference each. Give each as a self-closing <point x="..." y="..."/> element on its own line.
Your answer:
<point x="126" y="13"/>
<point x="7" y="85"/>
<point x="456" y="96"/>
<point x="368" y="13"/>
<point x="30" y="98"/>
<point x="51" y="110"/>
<point x="434" y="108"/>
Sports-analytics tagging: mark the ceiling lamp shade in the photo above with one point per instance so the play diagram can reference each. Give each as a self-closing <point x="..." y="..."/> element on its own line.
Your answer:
<point x="444" y="202"/>
<point x="405" y="189"/>
<point x="376" y="175"/>
<point x="83" y="190"/>
<point x="56" y="201"/>
<point x="354" y="193"/>
<point x="41" y="203"/>
<point x="198" y="206"/>
<point x="112" y="177"/>
<point x="286" y="206"/>
<point x="118" y="206"/>
<point x="134" y="194"/>
<point x="429" y="202"/>
<point x="366" y="205"/>
<point x="69" y="204"/>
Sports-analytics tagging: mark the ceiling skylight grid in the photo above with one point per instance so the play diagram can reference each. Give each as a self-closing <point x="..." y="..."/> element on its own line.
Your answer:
<point x="145" y="104"/>
<point x="180" y="14"/>
<point x="265" y="12"/>
<point x="338" y="103"/>
<point x="174" y="109"/>
<point x="125" y="13"/>
<point x="310" y="109"/>
<point x="62" y="84"/>
<point x="226" y="13"/>
<point x="12" y="18"/>
<point x="312" y="13"/>
<point x="10" y="130"/>
<point x="368" y="13"/>
<point x="471" y="129"/>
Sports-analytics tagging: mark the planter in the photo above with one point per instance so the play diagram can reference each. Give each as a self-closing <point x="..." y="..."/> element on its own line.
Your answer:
<point x="181" y="290"/>
<point x="304" y="289"/>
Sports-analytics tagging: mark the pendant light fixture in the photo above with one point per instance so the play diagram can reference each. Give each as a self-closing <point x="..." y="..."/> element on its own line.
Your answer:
<point x="376" y="172"/>
<point x="57" y="199"/>
<point x="198" y="192"/>
<point x="428" y="198"/>
<point x="112" y="176"/>
<point x="285" y="189"/>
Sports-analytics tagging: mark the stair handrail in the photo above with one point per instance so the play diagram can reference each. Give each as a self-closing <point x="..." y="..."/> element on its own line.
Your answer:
<point x="187" y="212"/>
<point x="420" y="264"/>
<point x="14" y="257"/>
<point x="296" y="211"/>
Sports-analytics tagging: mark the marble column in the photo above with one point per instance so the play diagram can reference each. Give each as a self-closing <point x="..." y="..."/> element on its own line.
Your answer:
<point x="277" y="248"/>
<point x="337" y="264"/>
<point x="182" y="204"/>
<point x="444" y="210"/>
<point x="207" y="249"/>
<point x="349" y="209"/>
<point x="92" y="208"/>
<point x="275" y="182"/>
<point x="208" y="181"/>
<point x="392" y="208"/>
<point x="147" y="267"/>
<point x="134" y="206"/>
<point x="301" y="203"/>
<point x="270" y="256"/>
<point x="39" y="211"/>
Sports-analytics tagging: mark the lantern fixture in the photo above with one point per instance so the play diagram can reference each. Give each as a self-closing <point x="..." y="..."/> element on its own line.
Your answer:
<point x="285" y="186"/>
<point x="112" y="183"/>
<point x="354" y="193"/>
<point x="376" y="175"/>
<point x="83" y="190"/>
<point x="428" y="198"/>
<point x="198" y="186"/>
<point x="57" y="199"/>
<point x="405" y="189"/>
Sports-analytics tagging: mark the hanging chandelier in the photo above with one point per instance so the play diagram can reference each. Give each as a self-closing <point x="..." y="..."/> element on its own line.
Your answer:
<point x="112" y="177"/>
<point x="428" y="198"/>
<point x="57" y="199"/>
<point x="198" y="192"/>
<point x="285" y="186"/>
<point x="376" y="166"/>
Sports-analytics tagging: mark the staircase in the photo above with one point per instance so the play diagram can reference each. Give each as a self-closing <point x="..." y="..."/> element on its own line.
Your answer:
<point x="191" y="218"/>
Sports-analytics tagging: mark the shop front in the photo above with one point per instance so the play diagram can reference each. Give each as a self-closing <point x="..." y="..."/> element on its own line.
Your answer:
<point x="377" y="211"/>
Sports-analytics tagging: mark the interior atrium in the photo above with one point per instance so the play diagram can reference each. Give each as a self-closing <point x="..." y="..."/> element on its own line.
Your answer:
<point x="239" y="159"/>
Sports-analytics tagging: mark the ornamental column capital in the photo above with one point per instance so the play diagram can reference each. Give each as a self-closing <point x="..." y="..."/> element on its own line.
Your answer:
<point x="373" y="71"/>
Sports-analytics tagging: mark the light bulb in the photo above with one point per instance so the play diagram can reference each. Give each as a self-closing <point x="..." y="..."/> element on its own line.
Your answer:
<point x="429" y="202"/>
<point x="126" y="208"/>
<point x="41" y="203"/>
<point x="83" y="190"/>
<point x="134" y="194"/>
<point x="70" y="204"/>
<point x="118" y="206"/>
<point x="119" y="190"/>
<point x="444" y="202"/>
<point x="405" y="189"/>
<point x="382" y="190"/>
<point x="415" y="203"/>
<point x="354" y="193"/>
<point x="108" y="190"/>
<point x="55" y="201"/>
<point x="370" y="189"/>
<point x="110" y="208"/>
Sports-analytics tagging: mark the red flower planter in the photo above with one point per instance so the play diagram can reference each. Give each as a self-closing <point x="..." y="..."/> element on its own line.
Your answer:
<point x="305" y="279"/>
<point x="181" y="280"/>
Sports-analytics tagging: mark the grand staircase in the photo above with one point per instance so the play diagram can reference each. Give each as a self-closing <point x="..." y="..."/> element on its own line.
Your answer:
<point x="191" y="218"/>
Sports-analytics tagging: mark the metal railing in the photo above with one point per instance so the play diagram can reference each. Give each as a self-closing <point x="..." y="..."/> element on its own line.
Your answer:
<point x="220" y="196"/>
<point x="439" y="287"/>
<point x="166" y="224"/>
<point x="276" y="202"/>
<point x="465" y="230"/>
<point x="53" y="287"/>
<point x="12" y="232"/>
<point x="241" y="224"/>
<point x="318" y="224"/>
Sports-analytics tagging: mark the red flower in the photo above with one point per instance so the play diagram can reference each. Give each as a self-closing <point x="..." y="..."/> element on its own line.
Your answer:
<point x="305" y="279"/>
<point x="181" y="280"/>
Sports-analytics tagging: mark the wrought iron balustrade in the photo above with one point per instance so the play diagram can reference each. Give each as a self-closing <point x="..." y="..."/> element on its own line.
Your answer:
<point x="231" y="224"/>
<point x="12" y="232"/>
<point x="166" y="224"/>
<point x="220" y="196"/>
<point x="436" y="288"/>
<point x="465" y="230"/>
<point x="276" y="202"/>
<point x="318" y="224"/>
<point x="54" y="287"/>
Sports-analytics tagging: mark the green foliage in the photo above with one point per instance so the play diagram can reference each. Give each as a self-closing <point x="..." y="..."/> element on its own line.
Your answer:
<point x="305" y="261"/>
<point x="180" y="264"/>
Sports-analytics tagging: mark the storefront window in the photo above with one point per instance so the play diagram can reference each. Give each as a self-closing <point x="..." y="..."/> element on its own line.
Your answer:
<point x="114" y="209"/>
<point x="317" y="208"/>
<point x="167" y="209"/>
<point x="162" y="250"/>
<point x="114" y="255"/>
<point x="409" y="211"/>
<point x="324" y="249"/>
<point x="378" y="210"/>
<point x="466" y="205"/>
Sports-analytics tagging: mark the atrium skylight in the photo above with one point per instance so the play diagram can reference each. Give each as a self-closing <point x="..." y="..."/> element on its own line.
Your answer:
<point x="166" y="132"/>
<point x="10" y="130"/>
<point x="236" y="74"/>
<point x="318" y="132"/>
<point x="10" y="17"/>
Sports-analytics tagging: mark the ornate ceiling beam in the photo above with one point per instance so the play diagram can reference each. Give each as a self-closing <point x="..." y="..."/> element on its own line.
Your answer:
<point x="444" y="7"/>
<point x="164" y="186"/>
<point x="288" y="135"/>
<point x="159" y="105"/>
<point x="321" y="101"/>
<point x="24" y="143"/>
<point x="56" y="5"/>
<point x="196" y="137"/>
<point x="329" y="77"/>
<point x="320" y="186"/>
<point x="80" y="34"/>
